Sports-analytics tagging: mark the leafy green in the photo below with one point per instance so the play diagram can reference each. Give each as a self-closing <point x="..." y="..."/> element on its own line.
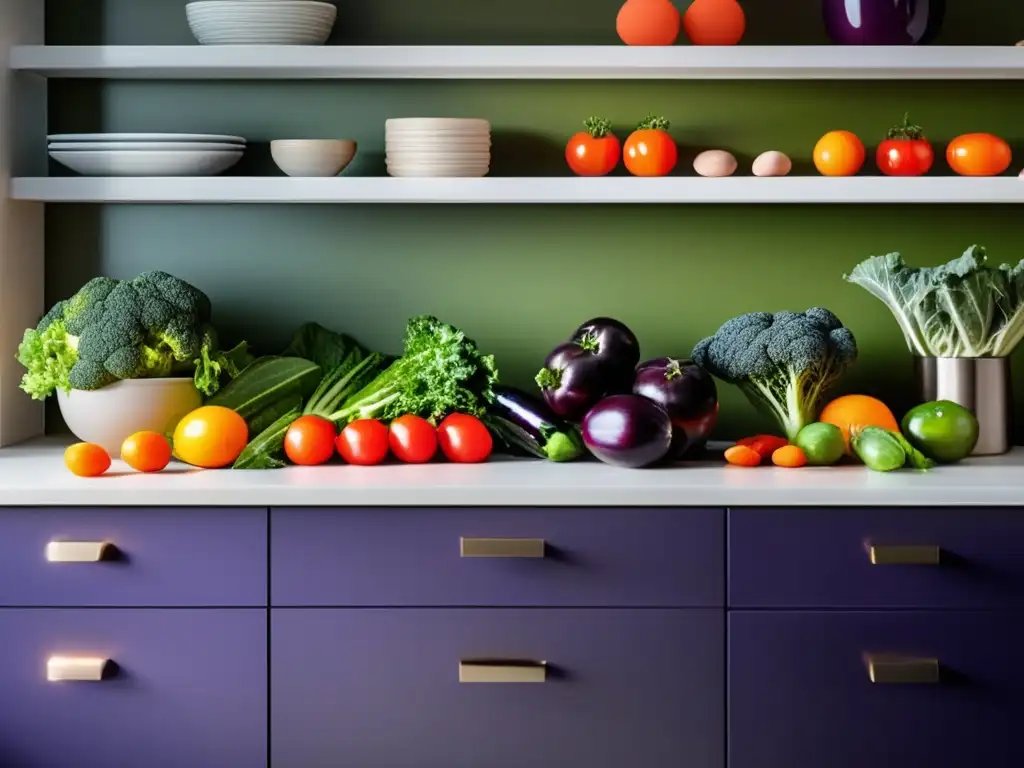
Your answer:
<point x="323" y="346"/>
<point x="960" y="309"/>
<point x="784" y="362"/>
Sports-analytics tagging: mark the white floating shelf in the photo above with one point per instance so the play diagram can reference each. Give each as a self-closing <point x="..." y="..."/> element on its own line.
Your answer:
<point x="568" y="190"/>
<point x="525" y="62"/>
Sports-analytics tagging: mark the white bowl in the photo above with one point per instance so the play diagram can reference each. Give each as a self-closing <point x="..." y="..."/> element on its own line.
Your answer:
<point x="136" y="146"/>
<point x="148" y="163"/>
<point x="438" y="172"/>
<point x="107" y="416"/>
<point x="437" y="124"/>
<point x="261" y="22"/>
<point x="150" y="137"/>
<point x="313" y="157"/>
<point x="450" y="156"/>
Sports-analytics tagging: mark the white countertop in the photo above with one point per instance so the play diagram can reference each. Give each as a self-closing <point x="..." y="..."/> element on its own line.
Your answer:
<point x="33" y="474"/>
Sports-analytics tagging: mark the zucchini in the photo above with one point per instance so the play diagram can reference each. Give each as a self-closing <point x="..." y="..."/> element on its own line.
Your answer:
<point x="525" y="424"/>
<point x="266" y="382"/>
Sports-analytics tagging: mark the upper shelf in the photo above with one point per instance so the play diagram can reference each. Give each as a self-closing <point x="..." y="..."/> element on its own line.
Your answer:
<point x="524" y="62"/>
<point x="528" y="190"/>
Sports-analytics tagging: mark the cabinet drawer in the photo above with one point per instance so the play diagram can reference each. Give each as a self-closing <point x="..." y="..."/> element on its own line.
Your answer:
<point x="800" y="695"/>
<point x="152" y="557"/>
<point x="190" y="688"/>
<point x="414" y="557"/>
<point x="809" y="558"/>
<point x="381" y="688"/>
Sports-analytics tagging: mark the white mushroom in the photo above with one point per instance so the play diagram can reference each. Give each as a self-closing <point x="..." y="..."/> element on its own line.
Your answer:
<point x="772" y="164"/>
<point x="715" y="163"/>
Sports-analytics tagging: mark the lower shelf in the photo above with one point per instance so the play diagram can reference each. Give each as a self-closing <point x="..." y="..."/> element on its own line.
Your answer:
<point x="540" y="190"/>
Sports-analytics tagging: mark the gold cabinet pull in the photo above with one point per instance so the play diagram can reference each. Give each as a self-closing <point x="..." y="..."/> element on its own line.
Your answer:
<point x="470" y="547"/>
<point x="76" y="668"/>
<point x="78" y="551"/>
<point x="893" y="669"/>
<point x="502" y="671"/>
<point x="904" y="554"/>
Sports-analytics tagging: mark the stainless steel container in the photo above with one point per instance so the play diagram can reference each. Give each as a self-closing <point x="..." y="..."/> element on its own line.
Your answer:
<point x="980" y="384"/>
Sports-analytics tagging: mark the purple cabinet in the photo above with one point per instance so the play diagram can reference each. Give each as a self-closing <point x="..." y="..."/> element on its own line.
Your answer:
<point x="380" y="688"/>
<point x="154" y="557"/>
<point x="190" y="689"/>
<point x="814" y="558"/>
<point x="800" y="695"/>
<point x="413" y="557"/>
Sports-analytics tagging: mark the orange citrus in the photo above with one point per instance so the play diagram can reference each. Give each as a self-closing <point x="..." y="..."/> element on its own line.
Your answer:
<point x="854" y="412"/>
<point x="839" y="153"/>
<point x="210" y="437"/>
<point x="146" y="451"/>
<point x="86" y="459"/>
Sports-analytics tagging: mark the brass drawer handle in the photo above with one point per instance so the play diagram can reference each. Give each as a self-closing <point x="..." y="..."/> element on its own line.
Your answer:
<point x="79" y="551"/>
<point x="892" y="669"/>
<point x="904" y="554"/>
<point x="470" y="547"/>
<point x="502" y="671"/>
<point x="76" y="669"/>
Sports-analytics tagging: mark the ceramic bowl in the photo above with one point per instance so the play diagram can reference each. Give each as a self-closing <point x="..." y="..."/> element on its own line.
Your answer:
<point x="107" y="416"/>
<point x="261" y="22"/>
<point x="313" y="157"/>
<point x="130" y="162"/>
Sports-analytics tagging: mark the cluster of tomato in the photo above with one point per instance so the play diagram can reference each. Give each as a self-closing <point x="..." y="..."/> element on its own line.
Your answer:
<point x="906" y="152"/>
<point x="648" y="151"/>
<point x="462" y="438"/>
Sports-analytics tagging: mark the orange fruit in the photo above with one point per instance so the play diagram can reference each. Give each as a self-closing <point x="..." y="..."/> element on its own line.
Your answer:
<point x="146" y="451"/>
<point x="86" y="459"/>
<point x="854" y="412"/>
<point x="839" y="153"/>
<point x="210" y="437"/>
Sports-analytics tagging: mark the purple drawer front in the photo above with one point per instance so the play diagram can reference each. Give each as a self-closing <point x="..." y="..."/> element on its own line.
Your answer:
<point x="191" y="691"/>
<point x="164" y="557"/>
<point x="811" y="558"/>
<point x="800" y="695"/>
<point x="380" y="688"/>
<point x="411" y="557"/>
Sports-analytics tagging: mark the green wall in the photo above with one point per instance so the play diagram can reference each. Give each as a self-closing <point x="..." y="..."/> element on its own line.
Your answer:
<point x="519" y="279"/>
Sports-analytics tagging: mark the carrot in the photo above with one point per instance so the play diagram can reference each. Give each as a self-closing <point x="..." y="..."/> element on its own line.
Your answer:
<point x="743" y="456"/>
<point x="765" y="445"/>
<point x="789" y="456"/>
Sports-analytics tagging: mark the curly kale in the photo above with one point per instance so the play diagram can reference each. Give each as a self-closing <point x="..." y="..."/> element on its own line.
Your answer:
<point x="155" y="325"/>
<point x="784" y="362"/>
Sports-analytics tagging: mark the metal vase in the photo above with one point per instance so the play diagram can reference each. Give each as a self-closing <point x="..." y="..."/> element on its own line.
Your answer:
<point x="981" y="385"/>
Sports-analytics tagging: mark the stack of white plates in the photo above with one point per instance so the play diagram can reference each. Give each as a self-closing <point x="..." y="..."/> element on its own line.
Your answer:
<point x="261" y="22"/>
<point x="146" y="154"/>
<point x="437" y="147"/>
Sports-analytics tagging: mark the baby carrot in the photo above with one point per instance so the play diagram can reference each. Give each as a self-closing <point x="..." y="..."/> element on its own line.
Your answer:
<point x="742" y="456"/>
<point x="789" y="456"/>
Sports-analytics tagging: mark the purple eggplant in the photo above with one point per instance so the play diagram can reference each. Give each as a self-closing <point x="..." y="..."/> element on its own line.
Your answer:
<point x="628" y="431"/>
<point x="688" y="395"/>
<point x="882" y="22"/>
<point x="609" y="340"/>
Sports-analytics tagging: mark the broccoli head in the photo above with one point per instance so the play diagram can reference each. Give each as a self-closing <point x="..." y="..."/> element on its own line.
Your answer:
<point x="153" y="326"/>
<point x="784" y="362"/>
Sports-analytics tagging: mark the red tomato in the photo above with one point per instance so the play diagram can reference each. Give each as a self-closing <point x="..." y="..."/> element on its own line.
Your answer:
<point x="364" y="442"/>
<point x="595" y="151"/>
<point x="412" y="439"/>
<point x="905" y="151"/>
<point x="978" y="154"/>
<point x="464" y="439"/>
<point x="310" y="440"/>
<point x="649" y="150"/>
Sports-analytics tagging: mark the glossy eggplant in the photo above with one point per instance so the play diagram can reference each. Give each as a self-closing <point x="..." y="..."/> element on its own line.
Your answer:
<point x="883" y="22"/>
<point x="526" y="425"/>
<point x="609" y="340"/>
<point x="688" y="395"/>
<point x="572" y="381"/>
<point x="628" y="431"/>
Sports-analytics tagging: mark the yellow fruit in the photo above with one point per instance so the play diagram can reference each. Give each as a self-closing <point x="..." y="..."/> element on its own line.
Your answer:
<point x="854" y="412"/>
<point x="210" y="437"/>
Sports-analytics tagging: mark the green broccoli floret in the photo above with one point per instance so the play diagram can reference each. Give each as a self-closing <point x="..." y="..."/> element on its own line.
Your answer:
<point x="783" y="362"/>
<point x="155" y="325"/>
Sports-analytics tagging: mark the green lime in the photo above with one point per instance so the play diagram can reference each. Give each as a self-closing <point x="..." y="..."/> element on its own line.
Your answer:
<point x="822" y="443"/>
<point x="942" y="430"/>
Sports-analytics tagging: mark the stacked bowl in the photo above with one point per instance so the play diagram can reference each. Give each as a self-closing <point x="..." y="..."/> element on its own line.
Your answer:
<point x="261" y="22"/>
<point x="146" y="154"/>
<point x="437" y="147"/>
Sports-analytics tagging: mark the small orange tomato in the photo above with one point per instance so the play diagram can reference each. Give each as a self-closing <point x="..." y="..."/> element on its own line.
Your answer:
<point x="839" y="153"/>
<point x="978" y="154"/>
<point x="650" y="150"/>
<point x="86" y="459"/>
<point x="595" y="151"/>
<point x="210" y="437"/>
<point x="146" y="451"/>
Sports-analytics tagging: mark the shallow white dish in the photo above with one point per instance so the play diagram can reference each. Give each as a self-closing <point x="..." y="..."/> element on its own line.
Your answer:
<point x="137" y="146"/>
<point x="316" y="158"/>
<point x="267" y="22"/>
<point x="107" y="416"/>
<point x="190" y="137"/>
<point x="148" y="163"/>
